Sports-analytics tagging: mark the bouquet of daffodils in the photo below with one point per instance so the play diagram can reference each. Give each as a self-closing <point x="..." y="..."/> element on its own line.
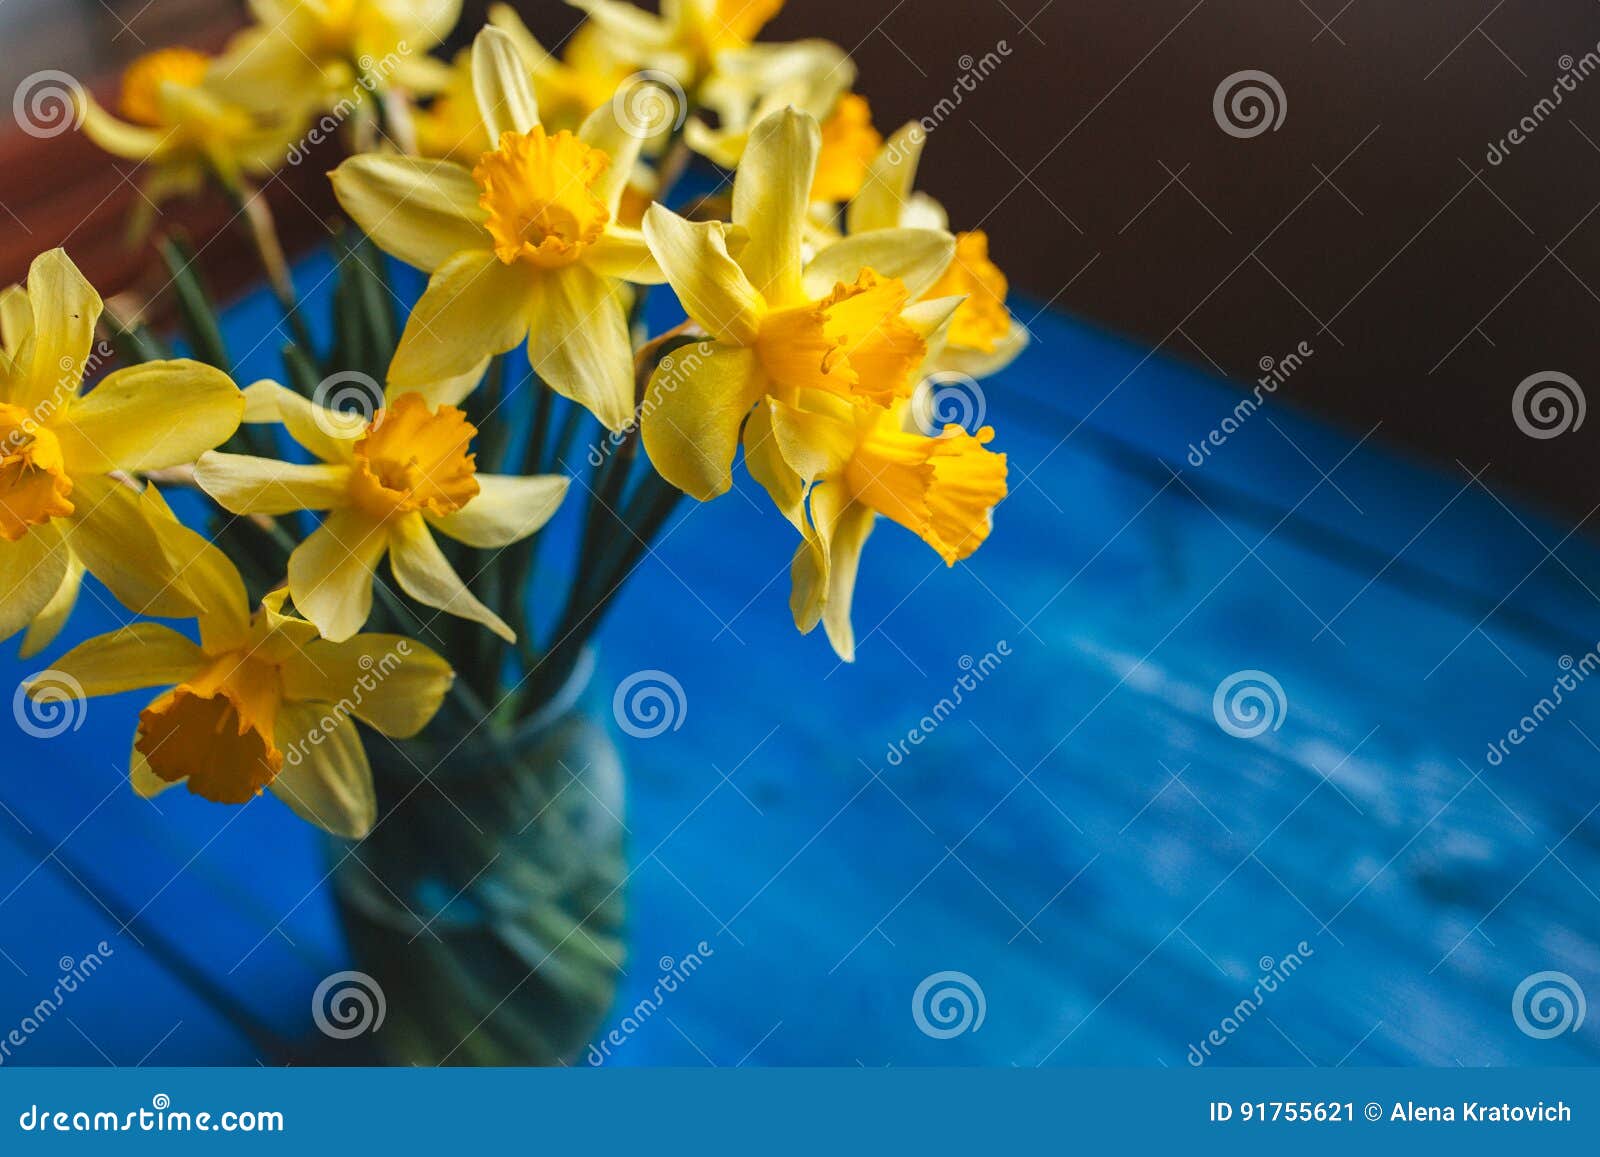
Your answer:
<point x="391" y="487"/>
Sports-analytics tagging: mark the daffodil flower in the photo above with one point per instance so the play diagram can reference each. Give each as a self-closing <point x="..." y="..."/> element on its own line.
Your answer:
<point x="177" y="123"/>
<point x="832" y="467"/>
<point x="687" y="39"/>
<point x="67" y="500"/>
<point x="568" y="87"/>
<point x="387" y="485"/>
<point x="840" y="324"/>
<point x="813" y="76"/>
<point x="523" y="247"/>
<point x="313" y="53"/>
<point x="260" y="701"/>
<point x="983" y="337"/>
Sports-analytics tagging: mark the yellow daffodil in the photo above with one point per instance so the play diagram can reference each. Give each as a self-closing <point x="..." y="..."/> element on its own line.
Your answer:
<point x="524" y="246"/>
<point x="314" y="53"/>
<point x="68" y="502"/>
<point x="983" y="337"/>
<point x="832" y="466"/>
<point x="450" y="128"/>
<point x="177" y="123"/>
<point x="840" y="324"/>
<point x="387" y="485"/>
<point x="754" y="82"/>
<point x="260" y="701"/>
<point x="571" y="86"/>
<point x="687" y="39"/>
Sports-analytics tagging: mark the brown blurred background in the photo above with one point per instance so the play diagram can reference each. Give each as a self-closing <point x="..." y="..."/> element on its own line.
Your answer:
<point x="1369" y="223"/>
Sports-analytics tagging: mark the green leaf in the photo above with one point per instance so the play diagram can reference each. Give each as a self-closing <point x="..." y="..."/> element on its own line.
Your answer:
<point x="195" y="311"/>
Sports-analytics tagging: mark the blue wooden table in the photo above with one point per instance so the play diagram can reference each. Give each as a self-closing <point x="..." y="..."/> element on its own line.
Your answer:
<point x="1080" y="837"/>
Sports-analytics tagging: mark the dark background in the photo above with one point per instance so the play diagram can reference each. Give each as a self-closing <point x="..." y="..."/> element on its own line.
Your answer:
<point x="1369" y="225"/>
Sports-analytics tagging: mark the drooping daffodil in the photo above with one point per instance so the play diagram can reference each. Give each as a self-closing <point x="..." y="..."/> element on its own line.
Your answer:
<point x="983" y="337"/>
<point x="178" y="123"/>
<point x="315" y="53"/>
<point x="386" y="484"/>
<point x="525" y="246"/>
<point x="68" y="500"/>
<point x="687" y="39"/>
<point x="260" y="701"/>
<point x="832" y="466"/>
<point x="841" y="323"/>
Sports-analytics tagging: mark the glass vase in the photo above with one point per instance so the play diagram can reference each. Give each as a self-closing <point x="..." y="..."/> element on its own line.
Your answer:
<point x="487" y="904"/>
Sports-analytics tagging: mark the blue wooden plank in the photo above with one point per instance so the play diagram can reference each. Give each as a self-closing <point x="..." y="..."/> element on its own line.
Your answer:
<point x="1080" y="837"/>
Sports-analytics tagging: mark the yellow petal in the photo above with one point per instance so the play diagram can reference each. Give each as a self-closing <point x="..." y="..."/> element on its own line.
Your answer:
<point x="697" y="398"/>
<point x="881" y="200"/>
<point x="138" y="655"/>
<point x="505" y="509"/>
<point x="475" y="306"/>
<point x="244" y="484"/>
<point x="145" y="782"/>
<point x="65" y="310"/>
<point x="331" y="572"/>
<point x="767" y="465"/>
<point x="326" y="779"/>
<point x="604" y="129"/>
<point x="16" y="319"/>
<point x="110" y="532"/>
<point x="389" y="682"/>
<point x="915" y="256"/>
<point x="152" y="415"/>
<point x="975" y="363"/>
<point x="53" y="616"/>
<point x="826" y="571"/>
<point x="578" y="342"/>
<point x="623" y="253"/>
<point x="770" y="197"/>
<point x="420" y="211"/>
<point x="445" y="391"/>
<point x="329" y="434"/>
<point x="500" y="80"/>
<point x="426" y="575"/>
<point x="209" y="575"/>
<point x="31" y="571"/>
<point x="118" y="137"/>
<point x="713" y="289"/>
